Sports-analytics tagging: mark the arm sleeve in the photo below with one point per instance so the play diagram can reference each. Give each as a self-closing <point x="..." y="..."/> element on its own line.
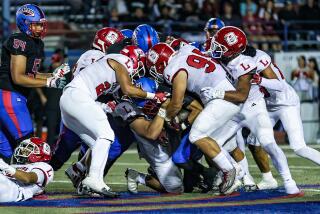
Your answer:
<point x="272" y="84"/>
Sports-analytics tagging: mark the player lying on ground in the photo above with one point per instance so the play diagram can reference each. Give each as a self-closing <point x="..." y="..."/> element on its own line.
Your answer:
<point x="29" y="173"/>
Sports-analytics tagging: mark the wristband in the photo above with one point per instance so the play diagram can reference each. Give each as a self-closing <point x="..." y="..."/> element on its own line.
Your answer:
<point x="162" y="113"/>
<point x="150" y="96"/>
<point x="49" y="81"/>
<point x="185" y="125"/>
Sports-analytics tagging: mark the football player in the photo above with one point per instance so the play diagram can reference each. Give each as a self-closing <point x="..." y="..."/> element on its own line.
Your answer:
<point x="212" y="26"/>
<point x="22" y="55"/>
<point x="282" y="104"/>
<point x="147" y="125"/>
<point x="105" y="76"/>
<point x="228" y="44"/>
<point x="29" y="174"/>
<point x="190" y="70"/>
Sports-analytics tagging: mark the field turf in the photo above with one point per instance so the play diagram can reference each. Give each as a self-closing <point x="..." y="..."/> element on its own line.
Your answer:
<point x="61" y="199"/>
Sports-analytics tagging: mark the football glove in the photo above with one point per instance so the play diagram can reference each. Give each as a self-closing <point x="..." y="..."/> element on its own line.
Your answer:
<point x="207" y="94"/>
<point x="61" y="71"/>
<point x="6" y="168"/>
<point x="56" y="82"/>
<point x="256" y="79"/>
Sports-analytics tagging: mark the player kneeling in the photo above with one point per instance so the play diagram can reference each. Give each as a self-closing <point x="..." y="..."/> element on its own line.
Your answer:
<point x="29" y="174"/>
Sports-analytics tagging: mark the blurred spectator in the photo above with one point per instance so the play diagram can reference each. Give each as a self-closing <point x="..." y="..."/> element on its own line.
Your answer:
<point x="229" y="17"/>
<point x="53" y="95"/>
<point x="246" y="6"/>
<point x="210" y="8"/>
<point x="268" y="7"/>
<point x="287" y="13"/>
<point x="253" y="27"/>
<point x="314" y="73"/>
<point x="119" y="5"/>
<point x="302" y="80"/>
<point x="273" y="41"/>
<point x="189" y="12"/>
<point x="139" y="15"/>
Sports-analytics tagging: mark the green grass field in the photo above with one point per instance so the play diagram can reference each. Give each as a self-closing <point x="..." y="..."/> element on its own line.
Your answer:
<point x="303" y="171"/>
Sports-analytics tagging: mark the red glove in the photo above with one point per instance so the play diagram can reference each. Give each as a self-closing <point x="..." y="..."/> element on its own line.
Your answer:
<point x="256" y="79"/>
<point x="160" y="97"/>
<point x="112" y="105"/>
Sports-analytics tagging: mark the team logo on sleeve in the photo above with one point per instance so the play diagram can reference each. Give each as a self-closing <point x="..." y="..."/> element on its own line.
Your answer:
<point x="112" y="37"/>
<point x="153" y="56"/>
<point x="231" y="38"/>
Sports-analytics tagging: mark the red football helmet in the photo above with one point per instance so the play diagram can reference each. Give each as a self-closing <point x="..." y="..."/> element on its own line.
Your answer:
<point x="176" y="44"/>
<point x="138" y="58"/>
<point x="228" y="42"/>
<point x="32" y="150"/>
<point x="157" y="59"/>
<point x="105" y="37"/>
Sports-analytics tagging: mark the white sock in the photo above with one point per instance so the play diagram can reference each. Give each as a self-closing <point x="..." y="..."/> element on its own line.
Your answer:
<point x="279" y="160"/>
<point x="222" y="162"/>
<point x="244" y="165"/>
<point x="309" y="153"/>
<point x="267" y="176"/>
<point x="99" y="157"/>
<point x="142" y="178"/>
<point x="227" y="154"/>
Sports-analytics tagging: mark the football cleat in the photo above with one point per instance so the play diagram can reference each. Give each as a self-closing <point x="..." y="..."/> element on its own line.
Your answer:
<point x="248" y="183"/>
<point x="132" y="180"/>
<point x="237" y="183"/>
<point x="93" y="185"/>
<point x="228" y="180"/>
<point x="291" y="187"/>
<point x="76" y="173"/>
<point x="267" y="184"/>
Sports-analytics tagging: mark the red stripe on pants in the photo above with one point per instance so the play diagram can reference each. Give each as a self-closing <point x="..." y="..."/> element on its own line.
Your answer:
<point x="6" y="96"/>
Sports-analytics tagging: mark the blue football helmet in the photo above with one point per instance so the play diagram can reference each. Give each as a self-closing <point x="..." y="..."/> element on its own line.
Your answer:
<point x="127" y="33"/>
<point x="197" y="45"/>
<point x="145" y="36"/>
<point x="212" y="26"/>
<point x="149" y="107"/>
<point x="29" y="14"/>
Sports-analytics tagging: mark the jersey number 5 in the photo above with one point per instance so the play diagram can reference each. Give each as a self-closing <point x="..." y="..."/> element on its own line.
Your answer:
<point x="198" y="62"/>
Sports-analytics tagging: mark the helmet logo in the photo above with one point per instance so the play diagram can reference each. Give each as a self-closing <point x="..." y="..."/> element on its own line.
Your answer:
<point x="27" y="11"/>
<point x="231" y="38"/>
<point x="46" y="149"/>
<point x="153" y="56"/>
<point x="112" y="37"/>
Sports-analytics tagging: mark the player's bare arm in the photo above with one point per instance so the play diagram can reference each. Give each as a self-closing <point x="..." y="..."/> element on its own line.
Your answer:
<point x="124" y="80"/>
<point x="179" y="87"/>
<point x="150" y="129"/>
<point x="26" y="177"/>
<point x="242" y="91"/>
<point x="18" y="68"/>
<point x="195" y="108"/>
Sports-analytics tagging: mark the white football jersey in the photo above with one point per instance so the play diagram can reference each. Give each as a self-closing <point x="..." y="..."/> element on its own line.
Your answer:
<point x="242" y="65"/>
<point x="44" y="173"/>
<point x="87" y="58"/>
<point x="287" y="96"/>
<point x="202" y="71"/>
<point x="100" y="78"/>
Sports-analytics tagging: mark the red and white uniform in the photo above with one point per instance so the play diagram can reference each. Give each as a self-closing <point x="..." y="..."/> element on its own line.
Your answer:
<point x="79" y="111"/>
<point x="12" y="190"/>
<point x="283" y="104"/>
<point x="203" y="72"/>
<point x="87" y="58"/>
